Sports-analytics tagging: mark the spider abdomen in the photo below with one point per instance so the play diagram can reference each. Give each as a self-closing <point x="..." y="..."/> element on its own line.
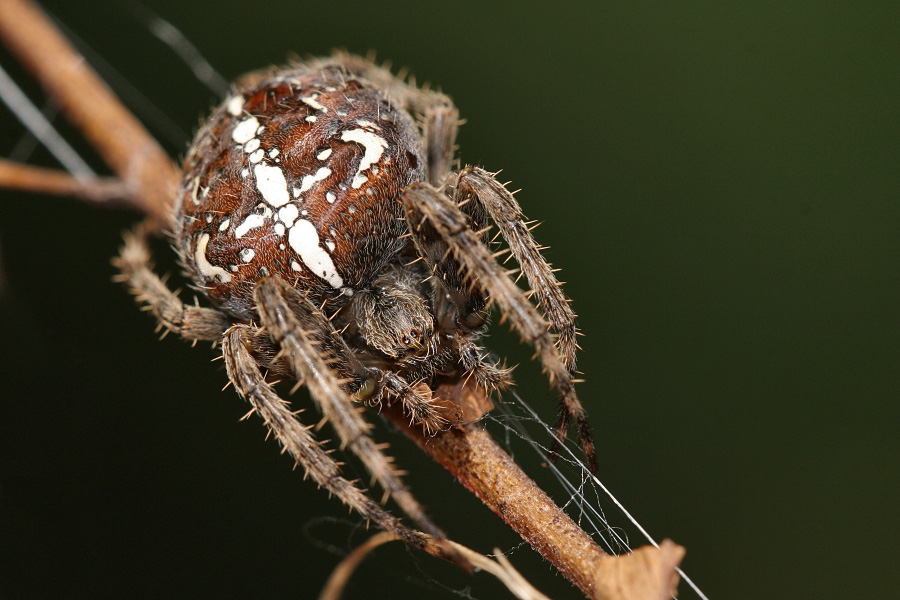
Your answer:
<point x="298" y="175"/>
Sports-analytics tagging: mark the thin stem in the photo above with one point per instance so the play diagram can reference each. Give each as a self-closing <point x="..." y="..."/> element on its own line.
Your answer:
<point x="111" y="129"/>
<point x="475" y="459"/>
<point x="107" y="192"/>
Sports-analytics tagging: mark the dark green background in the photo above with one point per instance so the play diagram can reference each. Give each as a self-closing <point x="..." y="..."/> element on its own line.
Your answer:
<point x="720" y="185"/>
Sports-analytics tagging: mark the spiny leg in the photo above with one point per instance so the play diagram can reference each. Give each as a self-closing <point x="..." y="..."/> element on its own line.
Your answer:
<point x="297" y="440"/>
<point x="368" y="383"/>
<point x="303" y="333"/>
<point x="474" y="360"/>
<point x="420" y="407"/>
<point x="190" y="322"/>
<point x="477" y="184"/>
<point x="429" y="212"/>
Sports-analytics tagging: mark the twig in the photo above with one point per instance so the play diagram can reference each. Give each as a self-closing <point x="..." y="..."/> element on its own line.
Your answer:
<point x="107" y="192"/>
<point x="467" y="452"/>
<point x="500" y="568"/>
<point x="475" y="459"/>
<point x="111" y="129"/>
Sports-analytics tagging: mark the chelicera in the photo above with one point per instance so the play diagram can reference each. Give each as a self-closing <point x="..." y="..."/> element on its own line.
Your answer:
<point x="320" y="214"/>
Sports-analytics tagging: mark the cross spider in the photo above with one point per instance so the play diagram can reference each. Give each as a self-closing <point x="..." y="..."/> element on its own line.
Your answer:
<point x="319" y="201"/>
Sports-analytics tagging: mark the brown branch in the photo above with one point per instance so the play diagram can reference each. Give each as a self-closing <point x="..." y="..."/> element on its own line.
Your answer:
<point x="88" y="103"/>
<point x="475" y="459"/>
<point x="466" y="451"/>
<point x="106" y="192"/>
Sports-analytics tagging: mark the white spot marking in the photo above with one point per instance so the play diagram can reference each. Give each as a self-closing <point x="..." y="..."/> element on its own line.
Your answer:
<point x="252" y="222"/>
<point x="194" y="198"/>
<point x="273" y="152"/>
<point x="296" y="266"/>
<point x="304" y="239"/>
<point x="245" y="130"/>
<point x="311" y="119"/>
<point x="311" y="101"/>
<point x="245" y="172"/>
<point x="271" y="184"/>
<point x="374" y="147"/>
<point x="209" y="217"/>
<point x="330" y="245"/>
<point x="251" y="145"/>
<point x="224" y="224"/>
<point x="233" y="268"/>
<point x="330" y="197"/>
<point x="279" y="229"/>
<point x="351" y="209"/>
<point x="256" y="156"/>
<point x="369" y="124"/>
<point x="247" y="254"/>
<point x="324" y="154"/>
<point x="288" y="214"/>
<point x="207" y="269"/>
<point x="280" y="246"/>
<point x="235" y="106"/>
<point x="309" y="180"/>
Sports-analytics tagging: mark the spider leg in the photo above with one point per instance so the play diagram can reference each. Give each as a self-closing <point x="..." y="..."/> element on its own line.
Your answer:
<point x="489" y="376"/>
<point x="297" y="440"/>
<point x="304" y="335"/>
<point x="420" y="407"/>
<point x="478" y="184"/>
<point x="190" y="322"/>
<point x="431" y="213"/>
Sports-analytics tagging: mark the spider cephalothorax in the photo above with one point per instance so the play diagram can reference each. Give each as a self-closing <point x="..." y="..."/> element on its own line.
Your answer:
<point x="319" y="201"/>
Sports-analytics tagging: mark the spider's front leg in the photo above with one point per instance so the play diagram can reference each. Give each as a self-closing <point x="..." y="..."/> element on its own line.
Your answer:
<point x="316" y="354"/>
<point x="475" y="184"/>
<point x="297" y="440"/>
<point x="446" y="239"/>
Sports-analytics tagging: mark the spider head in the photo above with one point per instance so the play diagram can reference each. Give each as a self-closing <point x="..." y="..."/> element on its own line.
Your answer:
<point x="394" y="317"/>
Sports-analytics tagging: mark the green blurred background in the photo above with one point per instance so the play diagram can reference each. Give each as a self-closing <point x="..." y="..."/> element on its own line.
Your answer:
<point x="720" y="186"/>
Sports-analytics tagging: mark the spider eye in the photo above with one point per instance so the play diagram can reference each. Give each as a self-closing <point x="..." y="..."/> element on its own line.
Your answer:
<point x="415" y="334"/>
<point x="404" y="340"/>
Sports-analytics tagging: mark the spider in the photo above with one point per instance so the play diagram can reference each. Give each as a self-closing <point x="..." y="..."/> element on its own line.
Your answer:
<point x="319" y="213"/>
